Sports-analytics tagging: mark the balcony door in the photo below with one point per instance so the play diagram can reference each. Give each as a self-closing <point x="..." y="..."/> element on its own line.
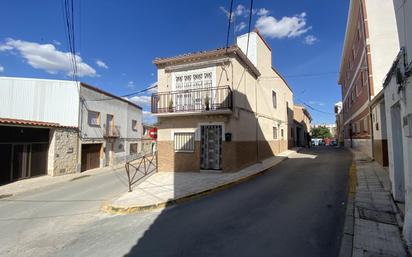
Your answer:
<point x="191" y="89"/>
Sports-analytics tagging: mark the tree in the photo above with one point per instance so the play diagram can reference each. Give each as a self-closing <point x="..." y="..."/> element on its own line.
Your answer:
<point x="321" y="132"/>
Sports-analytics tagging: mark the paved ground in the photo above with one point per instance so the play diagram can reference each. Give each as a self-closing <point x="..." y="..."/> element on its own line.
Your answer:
<point x="376" y="231"/>
<point x="295" y="210"/>
<point x="162" y="187"/>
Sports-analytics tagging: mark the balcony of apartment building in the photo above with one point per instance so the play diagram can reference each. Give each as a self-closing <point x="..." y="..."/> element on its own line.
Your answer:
<point x="193" y="99"/>
<point x="111" y="131"/>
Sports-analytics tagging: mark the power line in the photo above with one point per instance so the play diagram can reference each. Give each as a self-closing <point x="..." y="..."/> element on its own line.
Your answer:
<point x="313" y="108"/>
<point x="250" y="23"/>
<point x="228" y="25"/>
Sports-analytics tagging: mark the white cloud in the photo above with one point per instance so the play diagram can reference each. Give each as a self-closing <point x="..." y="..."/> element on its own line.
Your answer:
<point x="240" y="26"/>
<point x="142" y="100"/>
<point x="286" y="27"/>
<point x="317" y="103"/>
<point x="131" y="84"/>
<point x="57" y="43"/>
<point x="262" y="12"/>
<point x="310" y="39"/>
<point x="101" y="64"/>
<point x="46" y="57"/>
<point x="241" y="10"/>
<point x="1" y="68"/>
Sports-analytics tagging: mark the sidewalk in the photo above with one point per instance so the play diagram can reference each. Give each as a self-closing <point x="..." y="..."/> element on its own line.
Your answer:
<point x="166" y="188"/>
<point x="29" y="184"/>
<point x="372" y="224"/>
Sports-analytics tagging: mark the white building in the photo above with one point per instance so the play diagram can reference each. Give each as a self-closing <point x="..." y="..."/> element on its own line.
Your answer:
<point x="398" y="99"/>
<point x="41" y="132"/>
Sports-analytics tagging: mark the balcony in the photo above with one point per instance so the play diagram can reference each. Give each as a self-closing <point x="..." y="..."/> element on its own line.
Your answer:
<point x="111" y="131"/>
<point x="217" y="100"/>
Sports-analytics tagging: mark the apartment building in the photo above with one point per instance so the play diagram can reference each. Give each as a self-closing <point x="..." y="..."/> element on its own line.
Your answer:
<point x="398" y="111"/>
<point x="222" y="109"/>
<point x="370" y="45"/>
<point x="55" y="127"/>
<point x="302" y="120"/>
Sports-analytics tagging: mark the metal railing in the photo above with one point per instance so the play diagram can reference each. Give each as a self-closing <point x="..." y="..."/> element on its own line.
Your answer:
<point x="193" y="100"/>
<point x="139" y="168"/>
<point x="111" y="131"/>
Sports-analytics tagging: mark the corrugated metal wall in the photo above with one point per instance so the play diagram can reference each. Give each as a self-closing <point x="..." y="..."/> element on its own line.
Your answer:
<point x="39" y="100"/>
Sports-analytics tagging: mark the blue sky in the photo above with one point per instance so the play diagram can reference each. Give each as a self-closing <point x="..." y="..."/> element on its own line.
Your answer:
<point x="118" y="40"/>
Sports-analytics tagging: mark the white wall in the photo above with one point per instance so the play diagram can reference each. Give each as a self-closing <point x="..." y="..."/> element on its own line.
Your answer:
<point x="53" y="101"/>
<point x="383" y="39"/>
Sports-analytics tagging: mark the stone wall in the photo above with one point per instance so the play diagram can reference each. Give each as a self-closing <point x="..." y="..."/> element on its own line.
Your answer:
<point x="63" y="151"/>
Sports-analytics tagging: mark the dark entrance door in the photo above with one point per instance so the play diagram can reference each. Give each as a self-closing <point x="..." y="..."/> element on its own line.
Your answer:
<point x="90" y="156"/>
<point x="5" y="163"/>
<point x="211" y="143"/>
<point x="21" y="160"/>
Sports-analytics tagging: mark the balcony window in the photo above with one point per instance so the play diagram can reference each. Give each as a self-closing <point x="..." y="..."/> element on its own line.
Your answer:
<point x="93" y="118"/>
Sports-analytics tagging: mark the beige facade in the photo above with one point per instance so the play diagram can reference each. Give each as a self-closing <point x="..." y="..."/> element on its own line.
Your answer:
<point x="63" y="152"/>
<point x="302" y="120"/>
<point x="242" y="100"/>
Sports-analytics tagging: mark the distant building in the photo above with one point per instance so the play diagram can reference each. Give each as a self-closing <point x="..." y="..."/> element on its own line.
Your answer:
<point x="339" y="123"/>
<point x="371" y="44"/>
<point x="302" y="124"/>
<point x="331" y="127"/>
<point x="58" y="127"/>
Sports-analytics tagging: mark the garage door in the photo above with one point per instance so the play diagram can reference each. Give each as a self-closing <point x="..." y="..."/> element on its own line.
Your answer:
<point x="90" y="156"/>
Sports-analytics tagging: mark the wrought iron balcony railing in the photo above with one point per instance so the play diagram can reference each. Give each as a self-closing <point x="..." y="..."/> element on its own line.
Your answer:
<point x="193" y="100"/>
<point x="111" y="131"/>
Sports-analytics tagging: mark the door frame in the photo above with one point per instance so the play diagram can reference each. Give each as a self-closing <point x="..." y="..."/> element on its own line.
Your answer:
<point x="221" y="124"/>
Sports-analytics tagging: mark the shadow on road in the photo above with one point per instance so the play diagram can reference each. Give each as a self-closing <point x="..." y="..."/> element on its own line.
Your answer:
<point x="296" y="209"/>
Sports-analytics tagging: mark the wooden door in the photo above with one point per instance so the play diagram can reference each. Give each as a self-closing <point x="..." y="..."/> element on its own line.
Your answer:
<point x="90" y="156"/>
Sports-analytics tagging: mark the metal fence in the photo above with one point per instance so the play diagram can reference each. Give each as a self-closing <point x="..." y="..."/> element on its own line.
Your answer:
<point x="139" y="168"/>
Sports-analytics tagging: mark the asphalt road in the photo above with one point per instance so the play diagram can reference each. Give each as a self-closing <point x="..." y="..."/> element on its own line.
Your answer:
<point x="295" y="209"/>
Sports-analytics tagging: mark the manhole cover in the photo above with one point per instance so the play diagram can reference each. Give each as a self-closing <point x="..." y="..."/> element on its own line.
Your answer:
<point x="5" y="196"/>
<point x="378" y="216"/>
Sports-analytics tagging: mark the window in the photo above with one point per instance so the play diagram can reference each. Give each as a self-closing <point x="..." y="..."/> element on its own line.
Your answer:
<point x="274" y="100"/>
<point x="366" y="125"/>
<point x="93" y="118"/>
<point x="133" y="148"/>
<point x="281" y="133"/>
<point x="184" y="142"/>
<point x="275" y="133"/>
<point x="134" y="125"/>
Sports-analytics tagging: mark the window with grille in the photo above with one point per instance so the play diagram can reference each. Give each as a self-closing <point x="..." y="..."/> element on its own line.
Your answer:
<point x="184" y="142"/>
<point x="275" y="133"/>
<point x="281" y="133"/>
<point x="134" y="125"/>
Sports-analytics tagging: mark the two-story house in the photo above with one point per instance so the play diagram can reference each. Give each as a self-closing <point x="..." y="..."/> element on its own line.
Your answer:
<point x="58" y="127"/>
<point x="222" y="109"/>
<point x="111" y="128"/>
<point x="302" y="120"/>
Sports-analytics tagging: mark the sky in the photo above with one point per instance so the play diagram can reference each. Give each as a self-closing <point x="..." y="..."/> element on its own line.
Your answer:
<point x="117" y="41"/>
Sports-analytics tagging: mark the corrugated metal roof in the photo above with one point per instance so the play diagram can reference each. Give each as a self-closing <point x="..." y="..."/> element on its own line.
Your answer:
<point x="31" y="123"/>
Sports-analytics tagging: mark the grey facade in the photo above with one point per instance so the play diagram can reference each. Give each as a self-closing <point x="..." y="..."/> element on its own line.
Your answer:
<point x="117" y="132"/>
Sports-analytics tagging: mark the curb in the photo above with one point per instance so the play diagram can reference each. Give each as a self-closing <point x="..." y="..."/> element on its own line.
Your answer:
<point x="111" y="209"/>
<point x="346" y="247"/>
